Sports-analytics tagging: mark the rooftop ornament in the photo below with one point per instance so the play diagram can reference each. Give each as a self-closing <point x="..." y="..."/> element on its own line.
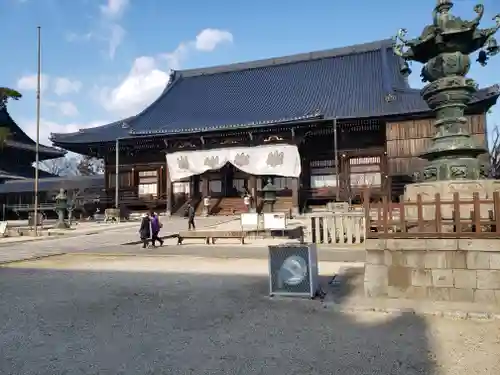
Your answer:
<point x="445" y="48"/>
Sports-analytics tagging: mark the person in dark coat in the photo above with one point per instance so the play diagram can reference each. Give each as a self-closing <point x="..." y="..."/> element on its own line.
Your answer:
<point x="145" y="230"/>
<point x="155" y="229"/>
<point x="191" y="213"/>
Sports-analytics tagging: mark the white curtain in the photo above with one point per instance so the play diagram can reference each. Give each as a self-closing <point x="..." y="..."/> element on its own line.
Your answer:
<point x="270" y="160"/>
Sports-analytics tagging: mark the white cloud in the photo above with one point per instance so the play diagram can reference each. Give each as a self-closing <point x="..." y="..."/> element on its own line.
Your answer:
<point x="115" y="39"/>
<point x="142" y="85"/>
<point x="29" y="82"/>
<point x="47" y="127"/>
<point x="207" y="40"/>
<point x="74" y="37"/>
<point x="108" y="29"/>
<point x="111" y="12"/>
<point x="174" y="59"/>
<point x="114" y="8"/>
<point x="59" y="85"/>
<point x="148" y="76"/>
<point x="68" y="109"/>
<point x="63" y="86"/>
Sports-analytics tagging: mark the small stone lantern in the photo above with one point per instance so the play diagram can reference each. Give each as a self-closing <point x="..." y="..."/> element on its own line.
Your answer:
<point x="269" y="196"/>
<point x="206" y="205"/>
<point x="61" y="207"/>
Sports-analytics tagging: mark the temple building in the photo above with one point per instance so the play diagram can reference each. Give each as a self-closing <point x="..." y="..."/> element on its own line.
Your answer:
<point x="223" y="130"/>
<point x="18" y="152"/>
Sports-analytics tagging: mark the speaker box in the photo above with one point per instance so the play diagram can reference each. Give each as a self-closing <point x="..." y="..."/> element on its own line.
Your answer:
<point x="293" y="270"/>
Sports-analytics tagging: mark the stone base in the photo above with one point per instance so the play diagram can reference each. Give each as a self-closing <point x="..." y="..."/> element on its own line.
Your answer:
<point x="446" y="189"/>
<point x="61" y="225"/>
<point x="462" y="270"/>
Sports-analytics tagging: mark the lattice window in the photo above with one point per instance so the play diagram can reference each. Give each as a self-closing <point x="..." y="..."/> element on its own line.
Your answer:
<point x="365" y="171"/>
<point x="148" y="190"/>
<point x="323" y="174"/>
<point x="181" y="187"/>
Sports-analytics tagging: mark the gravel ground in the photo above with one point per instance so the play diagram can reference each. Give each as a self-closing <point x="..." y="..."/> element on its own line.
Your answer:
<point x="177" y="315"/>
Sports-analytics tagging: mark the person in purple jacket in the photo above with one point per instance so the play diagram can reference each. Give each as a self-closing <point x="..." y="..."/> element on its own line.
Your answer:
<point x="155" y="229"/>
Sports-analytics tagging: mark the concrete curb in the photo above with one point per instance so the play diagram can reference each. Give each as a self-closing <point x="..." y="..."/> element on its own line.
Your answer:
<point x="26" y="239"/>
<point x="29" y="258"/>
<point x="46" y="238"/>
<point x="449" y="314"/>
<point x="211" y="252"/>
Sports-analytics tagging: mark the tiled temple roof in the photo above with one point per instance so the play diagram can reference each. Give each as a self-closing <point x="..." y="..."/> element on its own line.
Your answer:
<point x="359" y="81"/>
<point x="21" y="141"/>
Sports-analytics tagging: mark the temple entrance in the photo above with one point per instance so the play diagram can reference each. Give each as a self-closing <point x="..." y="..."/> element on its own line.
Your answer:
<point x="227" y="175"/>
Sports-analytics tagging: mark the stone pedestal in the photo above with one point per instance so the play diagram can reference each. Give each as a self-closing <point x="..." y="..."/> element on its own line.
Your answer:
<point x="61" y="225"/>
<point x="464" y="270"/>
<point x="446" y="190"/>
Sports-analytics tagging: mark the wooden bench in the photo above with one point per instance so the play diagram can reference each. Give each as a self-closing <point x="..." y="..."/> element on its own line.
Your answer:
<point x="210" y="235"/>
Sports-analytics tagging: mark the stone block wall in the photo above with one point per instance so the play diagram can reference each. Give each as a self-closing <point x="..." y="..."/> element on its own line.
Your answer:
<point x="462" y="270"/>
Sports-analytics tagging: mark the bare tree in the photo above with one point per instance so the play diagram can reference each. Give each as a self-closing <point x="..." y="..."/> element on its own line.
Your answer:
<point x="494" y="153"/>
<point x="64" y="166"/>
<point x="88" y="166"/>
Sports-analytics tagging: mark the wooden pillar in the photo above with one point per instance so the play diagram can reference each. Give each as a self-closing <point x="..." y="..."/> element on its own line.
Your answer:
<point x="205" y="191"/>
<point x="168" y="191"/>
<point x="252" y="188"/>
<point x="385" y="177"/>
<point x="345" y="180"/>
<point x="162" y="187"/>
<point x="295" y="196"/>
<point x="194" y="186"/>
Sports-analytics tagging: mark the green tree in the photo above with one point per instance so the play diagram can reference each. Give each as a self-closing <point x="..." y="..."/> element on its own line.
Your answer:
<point x="7" y="94"/>
<point x="4" y="136"/>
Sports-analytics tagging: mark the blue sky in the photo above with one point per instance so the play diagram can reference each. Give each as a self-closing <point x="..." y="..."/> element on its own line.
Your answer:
<point x="103" y="60"/>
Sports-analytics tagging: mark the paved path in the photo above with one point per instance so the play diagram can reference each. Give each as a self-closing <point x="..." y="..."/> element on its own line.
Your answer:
<point x="104" y="241"/>
<point x="122" y="315"/>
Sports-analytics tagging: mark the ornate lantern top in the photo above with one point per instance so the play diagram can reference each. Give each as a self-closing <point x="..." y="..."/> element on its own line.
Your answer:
<point x="448" y="34"/>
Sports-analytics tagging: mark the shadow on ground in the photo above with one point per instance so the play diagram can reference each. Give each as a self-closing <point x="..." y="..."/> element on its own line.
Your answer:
<point x="77" y="322"/>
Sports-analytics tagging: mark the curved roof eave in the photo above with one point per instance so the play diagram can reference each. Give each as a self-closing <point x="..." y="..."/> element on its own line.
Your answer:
<point x="399" y="100"/>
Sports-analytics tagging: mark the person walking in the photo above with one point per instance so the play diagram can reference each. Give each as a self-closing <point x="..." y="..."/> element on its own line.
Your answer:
<point x="145" y="230"/>
<point x="155" y="229"/>
<point x="191" y="213"/>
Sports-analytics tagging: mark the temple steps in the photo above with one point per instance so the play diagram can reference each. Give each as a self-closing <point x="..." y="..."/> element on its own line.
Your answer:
<point x="182" y="208"/>
<point x="228" y="206"/>
<point x="283" y="204"/>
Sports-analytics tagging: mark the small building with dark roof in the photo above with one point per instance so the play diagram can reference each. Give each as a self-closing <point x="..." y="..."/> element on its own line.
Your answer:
<point x="18" y="152"/>
<point x="353" y="97"/>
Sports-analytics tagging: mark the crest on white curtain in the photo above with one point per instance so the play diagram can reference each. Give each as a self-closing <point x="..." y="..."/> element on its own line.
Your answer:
<point x="277" y="160"/>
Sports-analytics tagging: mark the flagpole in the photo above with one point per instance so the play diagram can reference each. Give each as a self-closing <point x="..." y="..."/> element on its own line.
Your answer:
<point x="37" y="146"/>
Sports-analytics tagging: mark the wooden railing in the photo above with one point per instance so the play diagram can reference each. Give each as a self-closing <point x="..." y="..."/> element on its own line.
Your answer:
<point x="342" y="228"/>
<point x="31" y="207"/>
<point x="435" y="218"/>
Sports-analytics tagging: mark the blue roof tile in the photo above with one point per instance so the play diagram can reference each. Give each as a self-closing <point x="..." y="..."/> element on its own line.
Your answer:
<point x="349" y="82"/>
<point x="20" y="140"/>
<point x="54" y="184"/>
